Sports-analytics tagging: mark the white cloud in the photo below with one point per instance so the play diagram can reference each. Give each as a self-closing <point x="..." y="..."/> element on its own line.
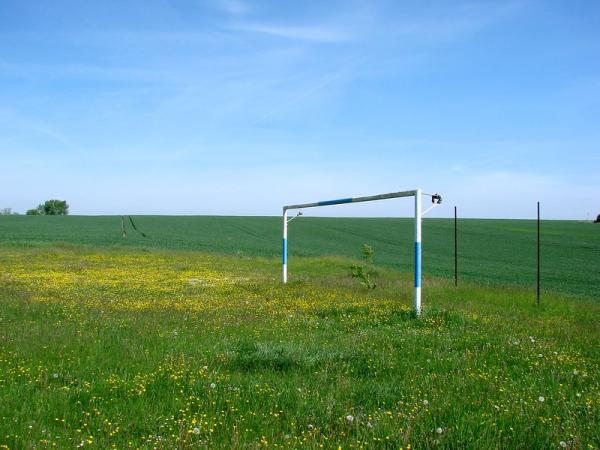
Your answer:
<point x="236" y="7"/>
<point x="304" y="33"/>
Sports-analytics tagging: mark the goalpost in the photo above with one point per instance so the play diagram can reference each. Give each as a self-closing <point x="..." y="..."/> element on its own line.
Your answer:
<point x="436" y="199"/>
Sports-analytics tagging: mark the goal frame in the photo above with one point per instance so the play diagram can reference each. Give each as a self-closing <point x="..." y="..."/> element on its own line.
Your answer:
<point x="419" y="213"/>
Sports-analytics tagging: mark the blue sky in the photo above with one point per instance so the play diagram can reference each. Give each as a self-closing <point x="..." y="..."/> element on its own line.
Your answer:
<point x="239" y="107"/>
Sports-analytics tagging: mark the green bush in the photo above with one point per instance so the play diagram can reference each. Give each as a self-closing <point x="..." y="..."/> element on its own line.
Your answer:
<point x="364" y="272"/>
<point x="50" y="208"/>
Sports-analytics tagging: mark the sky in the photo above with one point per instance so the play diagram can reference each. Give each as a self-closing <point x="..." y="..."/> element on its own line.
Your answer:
<point x="237" y="107"/>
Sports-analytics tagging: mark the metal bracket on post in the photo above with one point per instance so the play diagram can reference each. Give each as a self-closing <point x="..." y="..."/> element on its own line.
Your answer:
<point x="296" y="216"/>
<point x="436" y="199"/>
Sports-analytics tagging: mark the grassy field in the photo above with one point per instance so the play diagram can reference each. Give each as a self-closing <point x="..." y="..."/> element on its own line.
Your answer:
<point x="500" y="252"/>
<point x="126" y="348"/>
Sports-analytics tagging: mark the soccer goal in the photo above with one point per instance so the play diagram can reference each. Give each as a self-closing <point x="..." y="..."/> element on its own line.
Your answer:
<point x="436" y="199"/>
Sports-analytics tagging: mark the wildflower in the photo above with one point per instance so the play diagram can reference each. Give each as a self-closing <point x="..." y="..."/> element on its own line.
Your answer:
<point x="311" y="426"/>
<point x="575" y="372"/>
<point x="426" y="402"/>
<point x="213" y="385"/>
<point x="578" y="394"/>
<point x="531" y="339"/>
<point x="287" y="437"/>
<point x="54" y="375"/>
<point x="196" y="430"/>
<point x="496" y="407"/>
<point x="350" y="418"/>
<point x="563" y="444"/>
<point x="540" y="356"/>
<point x="439" y="430"/>
<point x="541" y="398"/>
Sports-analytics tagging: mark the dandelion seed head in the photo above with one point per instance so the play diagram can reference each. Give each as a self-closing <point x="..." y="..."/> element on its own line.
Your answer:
<point x="213" y="385"/>
<point x="439" y="430"/>
<point x="563" y="444"/>
<point x="541" y="398"/>
<point x="196" y="430"/>
<point x="350" y="418"/>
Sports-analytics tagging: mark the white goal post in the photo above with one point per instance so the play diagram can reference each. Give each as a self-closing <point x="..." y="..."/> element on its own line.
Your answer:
<point x="436" y="199"/>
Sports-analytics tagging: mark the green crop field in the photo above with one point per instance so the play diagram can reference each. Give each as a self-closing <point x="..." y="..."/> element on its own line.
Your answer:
<point x="187" y="338"/>
<point x="491" y="251"/>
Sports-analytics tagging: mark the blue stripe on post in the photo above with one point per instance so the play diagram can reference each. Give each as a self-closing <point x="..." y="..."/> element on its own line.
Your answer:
<point x="417" y="264"/>
<point x="284" y="251"/>
<point x="335" y="202"/>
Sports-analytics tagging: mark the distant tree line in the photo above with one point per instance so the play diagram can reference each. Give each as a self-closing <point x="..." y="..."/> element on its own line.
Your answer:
<point x="50" y="208"/>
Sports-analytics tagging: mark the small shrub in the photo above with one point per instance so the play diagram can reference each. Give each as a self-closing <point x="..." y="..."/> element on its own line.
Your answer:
<point x="364" y="272"/>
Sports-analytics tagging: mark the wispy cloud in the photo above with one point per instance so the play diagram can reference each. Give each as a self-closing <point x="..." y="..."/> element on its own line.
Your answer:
<point x="458" y="21"/>
<point x="236" y="7"/>
<point x="304" y="33"/>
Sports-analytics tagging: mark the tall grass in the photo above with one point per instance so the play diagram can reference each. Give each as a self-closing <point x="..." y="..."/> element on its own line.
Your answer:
<point x="161" y="349"/>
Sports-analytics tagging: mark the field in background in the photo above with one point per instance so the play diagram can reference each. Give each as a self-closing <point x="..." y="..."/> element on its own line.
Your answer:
<point x="125" y="348"/>
<point x="491" y="251"/>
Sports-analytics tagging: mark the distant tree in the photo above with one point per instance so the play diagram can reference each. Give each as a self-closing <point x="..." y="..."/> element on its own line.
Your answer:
<point x="56" y="208"/>
<point x="50" y="208"/>
<point x="597" y="219"/>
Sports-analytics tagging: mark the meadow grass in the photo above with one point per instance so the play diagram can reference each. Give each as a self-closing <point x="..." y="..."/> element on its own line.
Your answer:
<point x="124" y="348"/>
<point x="497" y="252"/>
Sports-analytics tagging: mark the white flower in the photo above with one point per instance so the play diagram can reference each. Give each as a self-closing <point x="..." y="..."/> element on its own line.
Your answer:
<point x="540" y="356"/>
<point x="578" y="394"/>
<point x="439" y="430"/>
<point x="287" y="437"/>
<point x="575" y="372"/>
<point x="196" y="430"/>
<point x="213" y="385"/>
<point x="541" y="398"/>
<point x="350" y="418"/>
<point x="54" y="375"/>
<point x="311" y="426"/>
<point x="496" y="407"/>
<point x="563" y="444"/>
<point x="426" y="402"/>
